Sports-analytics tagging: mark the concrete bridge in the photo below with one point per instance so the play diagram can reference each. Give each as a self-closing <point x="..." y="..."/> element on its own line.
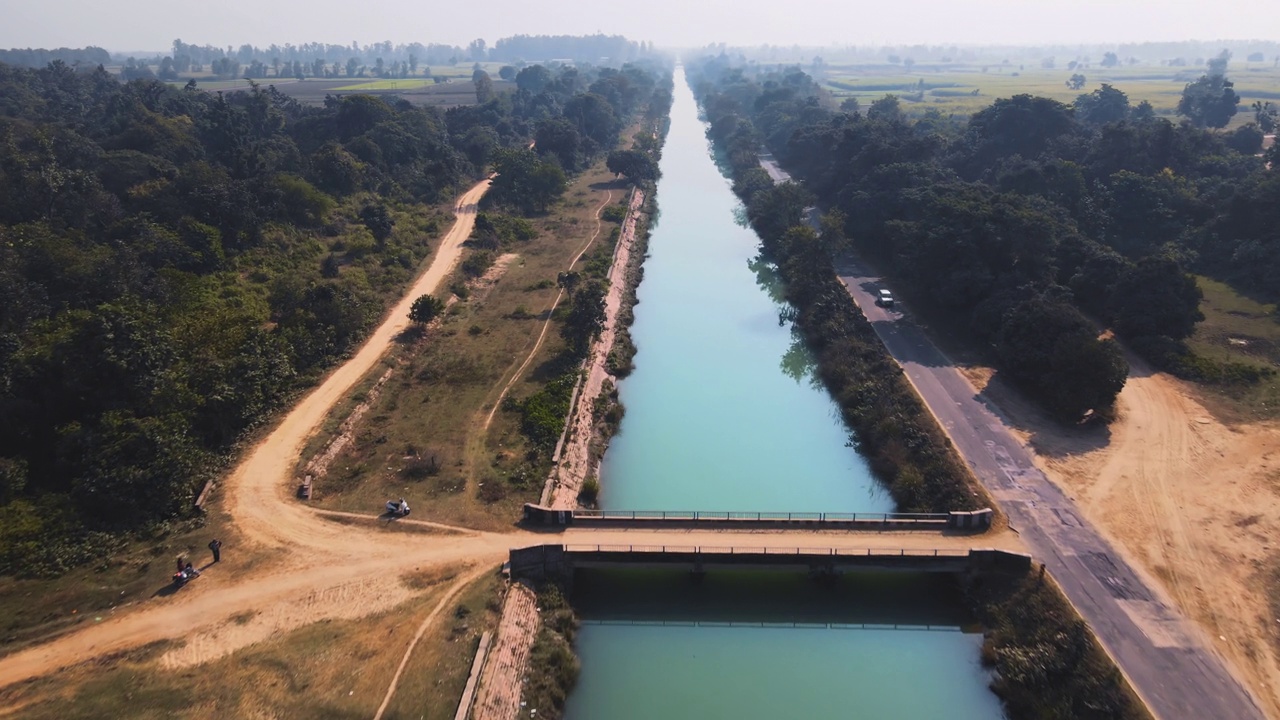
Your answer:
<point x="558" y="561"/>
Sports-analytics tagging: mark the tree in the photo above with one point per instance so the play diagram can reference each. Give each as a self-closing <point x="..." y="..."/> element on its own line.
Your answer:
<point x="887" y="108"/>
<point x="1102" y="106"/>
<point x="585" y="318"/>
<point x="851" y="105"/>
<point x="1110" y="60"/>
<point x="1156" y="298"/>
<point x="1210" y="101"/>
<point x="636" y="166"/>
<point x="484" y="86"/>
<point x="1246" y="140"/>
<point x="524" y="181"/>
<point x="425" y="309"/>
<point x="533" y="79"/>
<point x="1264" y="113"/>
<point x="379" y="221"/>
<point x="1076" y="81"/>
<point x="507" y="72"/>
<point x="353" y="65"/>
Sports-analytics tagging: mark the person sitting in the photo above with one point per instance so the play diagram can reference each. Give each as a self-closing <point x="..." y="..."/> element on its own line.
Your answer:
<point x="404" y="507"/>
<point x="191" y="571"/>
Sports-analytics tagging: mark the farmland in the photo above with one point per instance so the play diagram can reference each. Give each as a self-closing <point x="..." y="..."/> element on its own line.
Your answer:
<point x="962" y="89"/>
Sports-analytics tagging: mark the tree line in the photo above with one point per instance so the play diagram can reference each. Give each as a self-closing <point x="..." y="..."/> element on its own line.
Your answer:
<point x="174" y="264"/>
<point x="1018" y="222"/>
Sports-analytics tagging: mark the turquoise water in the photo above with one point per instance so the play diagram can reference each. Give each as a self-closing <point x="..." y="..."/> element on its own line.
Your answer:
<point x="723" y="411"/>
<point x="741" y="646"/>
<point x="723" y="414"/>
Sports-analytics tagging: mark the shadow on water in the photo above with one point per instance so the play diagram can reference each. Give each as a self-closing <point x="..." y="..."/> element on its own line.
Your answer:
<point x="769" y="597"/>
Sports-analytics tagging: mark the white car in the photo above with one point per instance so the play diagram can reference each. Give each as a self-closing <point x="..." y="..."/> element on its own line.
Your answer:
<point x="884" y="299"/>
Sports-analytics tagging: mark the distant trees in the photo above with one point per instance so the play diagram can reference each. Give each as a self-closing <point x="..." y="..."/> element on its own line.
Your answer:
<point x="1110" y="60"/>
<point x="533" y="79"/>
<point x="1076" y="81"/>
<point x="1102" y="106"/>
<point x="887" y="108"/>
<point x="484" y="86"/>
<point x="1265" y="114"/>
<point x="1210" y="101"/>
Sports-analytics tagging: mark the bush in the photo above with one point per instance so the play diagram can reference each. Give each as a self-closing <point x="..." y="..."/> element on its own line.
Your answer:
<point x="614" y="213"/>
<point x="590" y="491"/>
<point x="543" y="414"/>
<point x="478" y="263"/>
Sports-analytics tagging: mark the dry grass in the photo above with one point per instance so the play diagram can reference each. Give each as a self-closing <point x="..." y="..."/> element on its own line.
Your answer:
<point x="33" y="611"/>
<point x="334" y="669"/>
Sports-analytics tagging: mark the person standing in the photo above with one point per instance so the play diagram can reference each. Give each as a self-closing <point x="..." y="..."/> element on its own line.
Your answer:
<point x="215" y="545"/>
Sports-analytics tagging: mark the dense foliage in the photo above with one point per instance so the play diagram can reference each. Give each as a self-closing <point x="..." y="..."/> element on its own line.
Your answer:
<point x="174" y="263"/>
<point x="1047" y="664"/>
<point x="1024" y="218"/>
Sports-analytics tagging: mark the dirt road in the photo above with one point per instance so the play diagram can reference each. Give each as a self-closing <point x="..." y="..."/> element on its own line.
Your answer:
<point x="254" y="489"/>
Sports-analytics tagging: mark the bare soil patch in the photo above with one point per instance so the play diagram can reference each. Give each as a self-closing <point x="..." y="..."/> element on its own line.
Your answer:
<point x="1192" y="501"/>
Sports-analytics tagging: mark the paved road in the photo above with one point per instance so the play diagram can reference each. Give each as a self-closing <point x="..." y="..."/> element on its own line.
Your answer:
<point x="1164" y="655"/>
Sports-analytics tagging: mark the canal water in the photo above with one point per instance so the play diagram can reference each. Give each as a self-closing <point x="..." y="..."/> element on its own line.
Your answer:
<point x="724" y="413"/>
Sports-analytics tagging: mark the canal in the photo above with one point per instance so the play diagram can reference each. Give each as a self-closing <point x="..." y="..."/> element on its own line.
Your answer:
<point x="724" y="413"/>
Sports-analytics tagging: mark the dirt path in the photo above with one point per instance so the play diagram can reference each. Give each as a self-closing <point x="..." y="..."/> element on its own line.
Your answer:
<point x="1194" y="502"/>
<point x="458" y="586"/>
<point x="575" y="460"/>
<point x="256" y="486"/>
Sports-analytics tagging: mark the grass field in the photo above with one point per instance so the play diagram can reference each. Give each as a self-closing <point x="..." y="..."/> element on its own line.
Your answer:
<point x="1236" y="328"/>
<point x="951" y="88"/>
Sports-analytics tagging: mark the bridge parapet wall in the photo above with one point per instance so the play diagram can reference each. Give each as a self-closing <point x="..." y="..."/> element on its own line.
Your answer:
<point x="977" y="521"/>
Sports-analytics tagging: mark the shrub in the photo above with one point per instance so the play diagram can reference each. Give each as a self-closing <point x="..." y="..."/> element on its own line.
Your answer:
<point x="590" y="491"/>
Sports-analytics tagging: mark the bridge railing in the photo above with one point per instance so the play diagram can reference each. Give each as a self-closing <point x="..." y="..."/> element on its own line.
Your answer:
<point x="832" y="517"/>
<point x="738" y="550"/>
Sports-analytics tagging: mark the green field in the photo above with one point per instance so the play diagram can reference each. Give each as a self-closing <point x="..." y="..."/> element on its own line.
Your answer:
<point x="394" y="84"/>
<point x="951" y="88"/>
<point x="1238" y="329"/>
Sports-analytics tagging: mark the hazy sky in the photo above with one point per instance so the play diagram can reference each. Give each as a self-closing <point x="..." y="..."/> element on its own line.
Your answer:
<point x="671" y="23"/>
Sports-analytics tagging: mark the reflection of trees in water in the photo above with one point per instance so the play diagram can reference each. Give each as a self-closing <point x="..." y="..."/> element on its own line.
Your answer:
<point x="797" y="362"/>
<point x="769" y="280"/>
